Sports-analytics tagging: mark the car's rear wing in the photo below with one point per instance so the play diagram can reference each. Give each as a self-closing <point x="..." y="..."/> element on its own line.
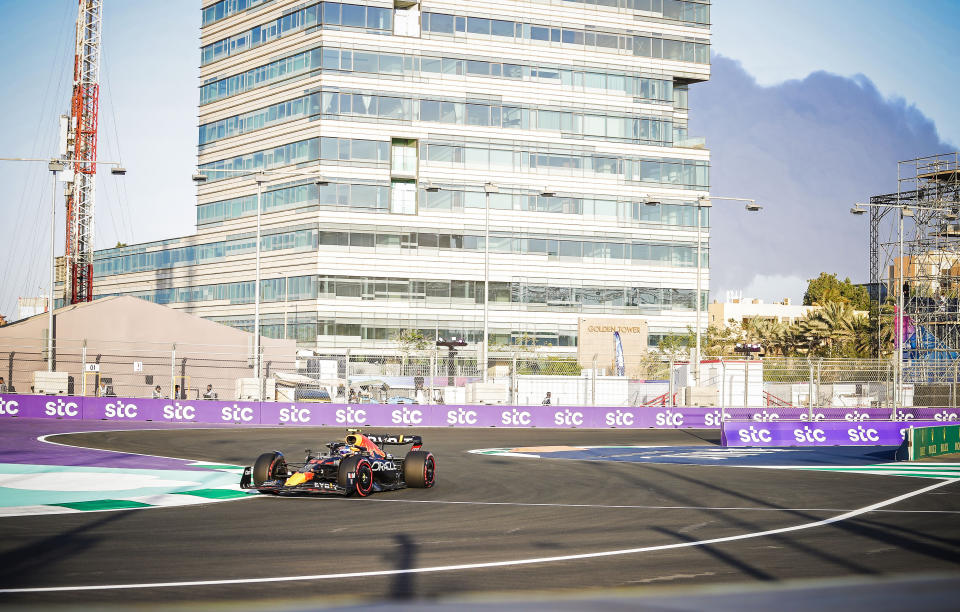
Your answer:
<point x="396" y="439"/>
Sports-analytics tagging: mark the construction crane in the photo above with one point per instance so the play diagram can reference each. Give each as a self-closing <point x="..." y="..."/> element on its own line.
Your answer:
<point x="82" y="153"/>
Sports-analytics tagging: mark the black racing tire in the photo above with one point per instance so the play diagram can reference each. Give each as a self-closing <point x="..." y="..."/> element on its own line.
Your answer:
<point x="268" y="466"/>
<point x="420" y="469"/>
<point x="363" y="476"/>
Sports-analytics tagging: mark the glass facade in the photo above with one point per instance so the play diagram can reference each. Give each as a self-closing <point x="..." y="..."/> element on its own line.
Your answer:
<point x="391" y="139"/>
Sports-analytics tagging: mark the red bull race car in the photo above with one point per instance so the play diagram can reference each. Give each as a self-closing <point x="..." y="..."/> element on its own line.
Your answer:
<point x="354" y="466"/>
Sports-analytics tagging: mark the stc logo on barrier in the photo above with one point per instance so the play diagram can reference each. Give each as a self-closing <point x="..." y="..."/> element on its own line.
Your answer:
<point x="766" y="417"/>
<point x="568" y="418"/>
<point x="461" y="417"/>
<point x="809" y="435"/>
<point x="856" y="415"/>
<point x="236" y="414"/>
<point x="11" y="407"/>
<point x="943" y="415"/>
<point x="406" y="416"/>
<point x="356" y="416"/>
<point x="900" y="415"/>
<point x="618" y="419"/>
<point x="61" y="409"/>
<point x="714" y="419"/>
<point x="515" y="417"/>
<point x="817" y="416"/>
<point x="861" y="434"/>
<point x="176" y="412"/>
<point x="294" y="415"/>
<point x="120" y="411"/>
<point x="669" y="419"/>
<point x="752" y="434"/>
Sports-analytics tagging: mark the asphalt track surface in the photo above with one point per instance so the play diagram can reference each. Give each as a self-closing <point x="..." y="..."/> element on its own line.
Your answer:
<point x="508" y="526"/>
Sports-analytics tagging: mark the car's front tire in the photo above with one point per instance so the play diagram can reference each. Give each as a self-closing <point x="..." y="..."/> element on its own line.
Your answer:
<point x="362" y="483"/>
<point x="420" y="469"/>
<point x="269" y="466"/>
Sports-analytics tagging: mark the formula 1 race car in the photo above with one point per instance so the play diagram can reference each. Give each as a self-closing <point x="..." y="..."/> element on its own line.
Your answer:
<point x="355" y="465"/>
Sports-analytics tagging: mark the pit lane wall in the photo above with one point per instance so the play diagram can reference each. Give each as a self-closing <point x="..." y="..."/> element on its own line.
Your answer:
<point x="932" y="441"/>
<point x="382" y="415"/>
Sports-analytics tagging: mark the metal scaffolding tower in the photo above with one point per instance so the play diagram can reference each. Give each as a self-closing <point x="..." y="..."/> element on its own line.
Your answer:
<point x="929" y="271"/>
<point x="82" y="149"/>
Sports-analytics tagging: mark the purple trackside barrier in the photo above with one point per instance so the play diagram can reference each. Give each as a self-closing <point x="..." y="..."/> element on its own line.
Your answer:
<point x="826" y="433"/>
<point x="774" y="413"/>
<point x="400" y="415"/>
<point x="175" y="411"/>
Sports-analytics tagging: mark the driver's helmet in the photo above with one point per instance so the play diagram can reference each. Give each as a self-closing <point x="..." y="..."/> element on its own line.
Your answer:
<point x="344" y="450"/>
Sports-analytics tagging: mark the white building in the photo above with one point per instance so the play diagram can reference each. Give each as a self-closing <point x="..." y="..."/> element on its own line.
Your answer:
<point x="575" y="111"/>
<point x="741" y="310"/>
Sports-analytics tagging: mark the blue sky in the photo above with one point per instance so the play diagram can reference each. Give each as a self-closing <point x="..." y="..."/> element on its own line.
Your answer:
<point x="788" y="71"/>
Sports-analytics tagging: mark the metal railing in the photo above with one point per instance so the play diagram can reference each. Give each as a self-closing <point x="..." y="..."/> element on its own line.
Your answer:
<point x="523" y="377"/>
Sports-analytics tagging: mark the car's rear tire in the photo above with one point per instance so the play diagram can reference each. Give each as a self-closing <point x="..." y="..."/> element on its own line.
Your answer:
<point x="362" y="483"/>
<point x="420" y="469"/>
<point x="268" y="466"/>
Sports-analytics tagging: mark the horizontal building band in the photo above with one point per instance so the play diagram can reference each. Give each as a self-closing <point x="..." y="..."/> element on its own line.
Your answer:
<point x="647" y="89"/>
<point x="341" y="195"/>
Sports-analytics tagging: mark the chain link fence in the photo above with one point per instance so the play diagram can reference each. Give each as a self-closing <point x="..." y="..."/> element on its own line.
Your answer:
<point x="525" y="377"/>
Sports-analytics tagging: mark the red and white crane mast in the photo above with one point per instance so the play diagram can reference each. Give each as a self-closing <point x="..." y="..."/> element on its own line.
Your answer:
<point x="82" y="149"/>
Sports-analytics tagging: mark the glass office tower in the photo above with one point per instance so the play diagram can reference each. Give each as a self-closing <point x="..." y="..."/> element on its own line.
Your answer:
<point x="396" y="135"/>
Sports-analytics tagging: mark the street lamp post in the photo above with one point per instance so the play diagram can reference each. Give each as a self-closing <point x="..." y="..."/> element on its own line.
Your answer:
<point x="256" y="291"/>
<point x="260" y="176"/>
<point x="55" y="165"/>
<point x="706" y="202"/>
<point x="859" y="208"/>
<point x="488" y="188"/>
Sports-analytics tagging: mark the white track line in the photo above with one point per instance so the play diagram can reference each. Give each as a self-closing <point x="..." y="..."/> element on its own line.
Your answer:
<point x="592" y="506"/>
<point x="492" y="564"/>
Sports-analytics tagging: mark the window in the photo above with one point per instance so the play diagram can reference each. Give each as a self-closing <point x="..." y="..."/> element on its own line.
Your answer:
<point x="403" y="157"/>
<point x="403" y="197"/>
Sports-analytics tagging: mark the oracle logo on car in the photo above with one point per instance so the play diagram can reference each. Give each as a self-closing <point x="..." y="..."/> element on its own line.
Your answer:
<point x="294" y="415"/>
<point x="618" y="418"/>
<point x="461" y="417"/>
<point x="236" y="414"/>
<point x="861" y="434"/>
<point x="406" y="416"/>
<point x="351" y="415"/>
<point x="568" y="418"/>
<point x="11" y="407"/>
<point x="61" y="409"/>
<point x="383" y="466"/>
<point x="752" y="434"/>
<point x="515" y="417"/>
<point x="176" y="412"/>
<point x="809" y="435"/>
<point x="120" y="410"/>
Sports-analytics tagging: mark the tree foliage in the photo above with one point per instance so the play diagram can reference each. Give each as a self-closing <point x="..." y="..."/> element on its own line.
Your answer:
<point x="827" y="288"/>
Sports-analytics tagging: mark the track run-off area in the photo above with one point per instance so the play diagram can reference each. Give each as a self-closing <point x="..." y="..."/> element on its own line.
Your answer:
<point x="95" y="514"/>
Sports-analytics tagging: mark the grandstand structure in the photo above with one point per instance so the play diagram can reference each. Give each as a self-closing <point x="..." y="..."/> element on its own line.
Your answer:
<point x="923" y="262"/>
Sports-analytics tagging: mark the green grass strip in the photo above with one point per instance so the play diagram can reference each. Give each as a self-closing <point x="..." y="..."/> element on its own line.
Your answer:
<point x="103" y="504"/>
<point x="215" y="493"/>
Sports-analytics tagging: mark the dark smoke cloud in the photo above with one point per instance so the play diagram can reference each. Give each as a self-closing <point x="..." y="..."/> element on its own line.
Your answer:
<point x="806" y="150"/>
